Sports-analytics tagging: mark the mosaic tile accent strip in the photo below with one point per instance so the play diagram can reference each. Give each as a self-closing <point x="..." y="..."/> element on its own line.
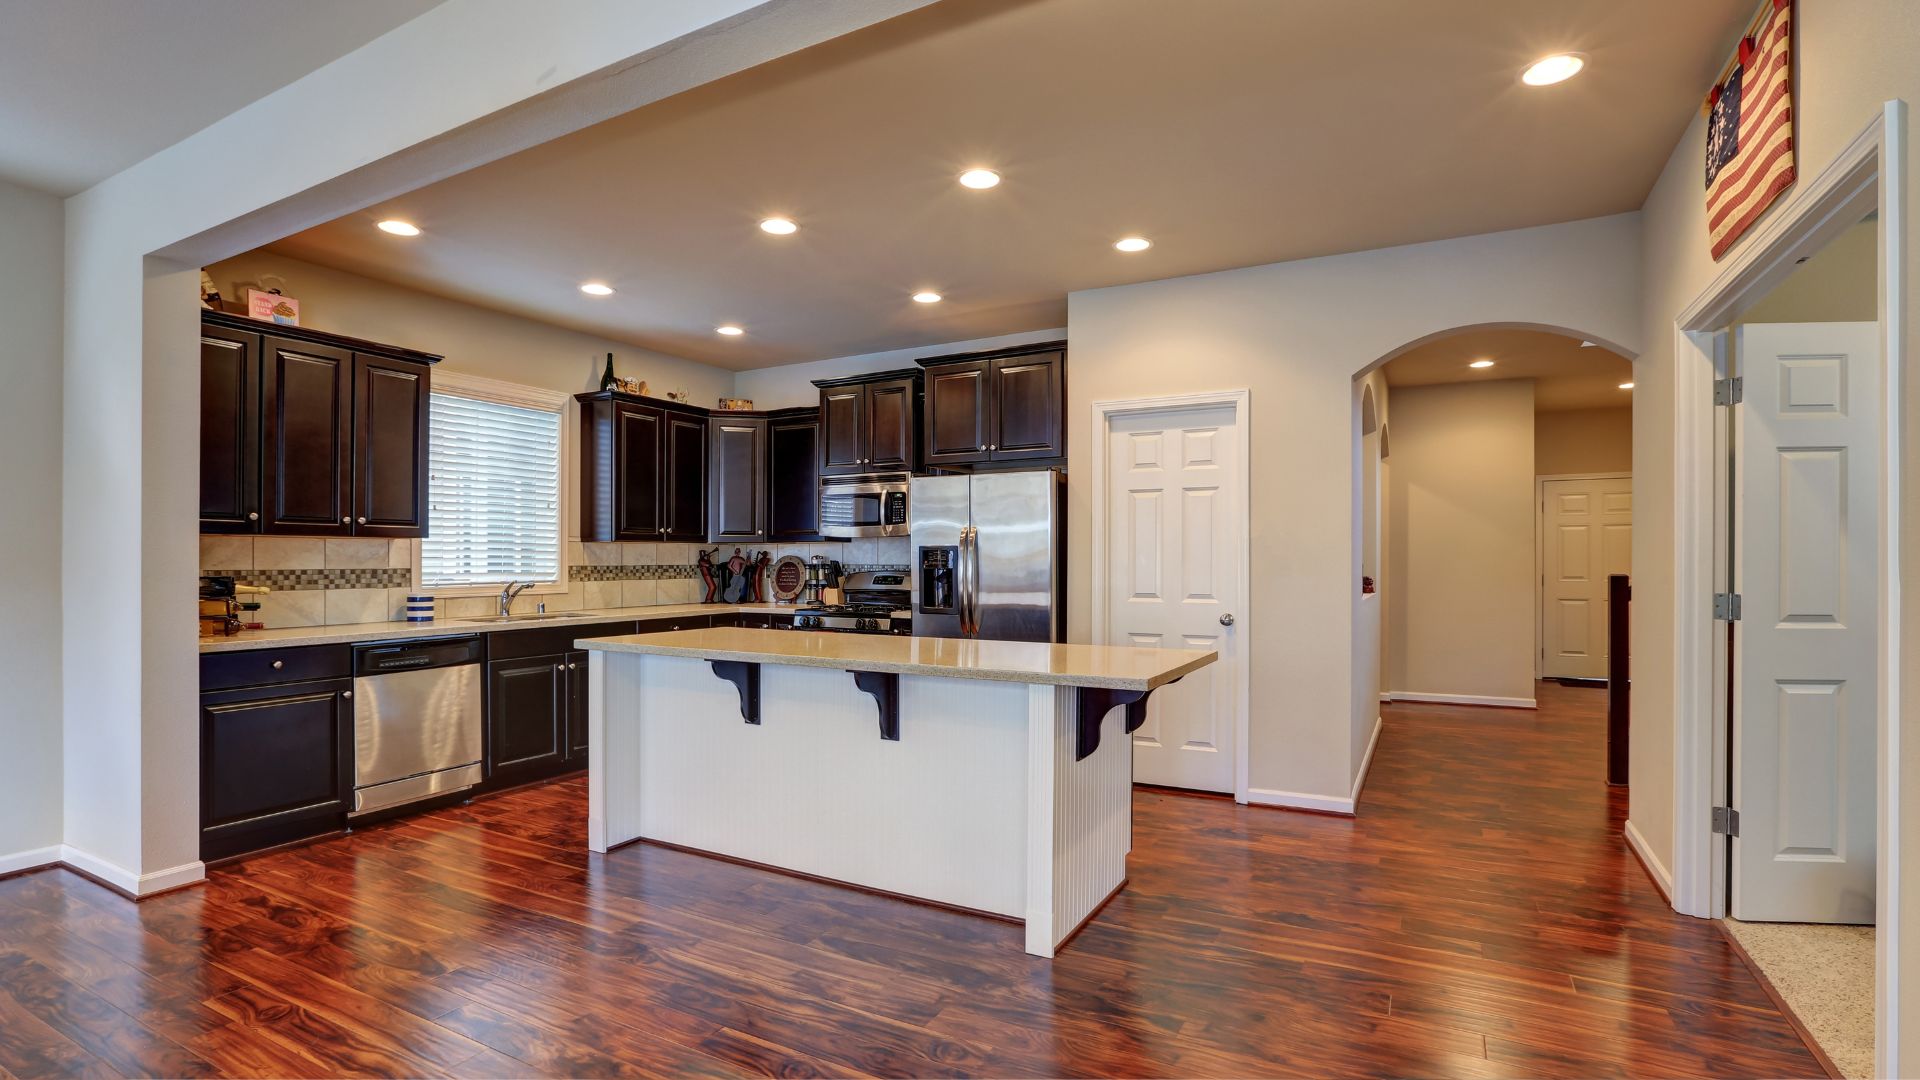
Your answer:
<point x="631" y="573"/>
<point x="314" y="580"/>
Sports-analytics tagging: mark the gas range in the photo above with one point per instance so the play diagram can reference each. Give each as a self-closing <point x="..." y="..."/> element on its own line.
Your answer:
<point x="879" y="603"/>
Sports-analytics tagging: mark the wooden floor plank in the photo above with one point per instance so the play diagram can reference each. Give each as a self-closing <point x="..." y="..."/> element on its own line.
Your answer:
<point x="1481" y="917"/>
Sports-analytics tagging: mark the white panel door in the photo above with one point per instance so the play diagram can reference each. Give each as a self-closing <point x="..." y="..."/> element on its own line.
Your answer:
<point x="1806" y="566"/>
<point x="1586" y="534"/>
<point x="1174" y="539"/>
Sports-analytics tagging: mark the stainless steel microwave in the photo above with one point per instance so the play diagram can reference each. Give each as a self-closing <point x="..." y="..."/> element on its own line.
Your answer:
<point x="869" y="505"/>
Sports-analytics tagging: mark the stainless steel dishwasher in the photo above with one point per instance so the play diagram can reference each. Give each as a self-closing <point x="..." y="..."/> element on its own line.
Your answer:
<point x="416" y="720"/>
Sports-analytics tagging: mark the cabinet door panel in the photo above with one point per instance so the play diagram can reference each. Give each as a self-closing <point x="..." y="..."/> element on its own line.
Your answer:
<point x="577" y="708"/>
<point x="736" y="479"/>
<point x="274" y="755"/>
<point x="890" y="427"/>
<point x="229" y="431"/>
<point x="526" y="716"/>
<point x="1028" y="407"/>
<point x="843" y="429"/>
<point x="390" y="447"/>
<point x="686" y="478"/>
<point x="639" y="451"/>
<point x="793" y="478"/>
<point x="958" y="411"/>
<point x="307" y="433"/>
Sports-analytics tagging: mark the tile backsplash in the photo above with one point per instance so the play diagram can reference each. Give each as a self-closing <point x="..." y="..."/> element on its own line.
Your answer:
<point x="318" y="582"/>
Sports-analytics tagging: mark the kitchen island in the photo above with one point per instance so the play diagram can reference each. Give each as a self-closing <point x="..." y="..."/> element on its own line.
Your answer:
<point x="994" y="776"/>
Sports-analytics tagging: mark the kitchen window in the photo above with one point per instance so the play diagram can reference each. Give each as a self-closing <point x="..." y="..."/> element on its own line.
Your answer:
<point x="494" y="506"/>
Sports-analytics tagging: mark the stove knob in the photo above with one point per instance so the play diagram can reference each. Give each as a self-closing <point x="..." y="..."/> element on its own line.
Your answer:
<point x="866" y="624"/>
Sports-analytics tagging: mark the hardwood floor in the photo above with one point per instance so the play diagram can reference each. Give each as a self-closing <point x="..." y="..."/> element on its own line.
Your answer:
<point x="1481" y="917"/>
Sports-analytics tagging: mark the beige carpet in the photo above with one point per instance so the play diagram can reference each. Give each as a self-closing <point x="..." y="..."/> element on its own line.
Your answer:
<point x="1825" y="973"/>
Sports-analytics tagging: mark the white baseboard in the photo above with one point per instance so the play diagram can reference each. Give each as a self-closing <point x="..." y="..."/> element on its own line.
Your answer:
<point x="1662" y="877"/>
<point x="1464" y="699"/>
<point x="1366" y="762"/>
<point x="27" y="860"/>
<point x="128" y="882"/>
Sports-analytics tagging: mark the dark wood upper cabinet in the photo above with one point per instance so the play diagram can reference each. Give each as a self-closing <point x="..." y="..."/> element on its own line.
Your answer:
<point x="843" y="429"/>
<point x="686" y="478"/>
<point x="891" y="431"/>
<point x="1008" y="405"/>
<point x="737" y="479"/>
<point x="307" y="427"/>
<point x="643" y="469"/>
<point x="229" y="431"/>
<point x="308" y="433"/>
<point x="389" y="447"/>
<point x="959" y="412"/>
<point x="1029" y="410"/>
<point x="870" y="423"/>
<point x="793" y="475"/>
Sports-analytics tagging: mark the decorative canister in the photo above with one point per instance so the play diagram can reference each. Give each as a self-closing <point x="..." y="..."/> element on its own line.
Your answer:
<point x="419" y="609"/>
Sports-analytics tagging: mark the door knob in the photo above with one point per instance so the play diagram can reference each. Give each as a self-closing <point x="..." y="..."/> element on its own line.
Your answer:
<point x="1227" y="619"/>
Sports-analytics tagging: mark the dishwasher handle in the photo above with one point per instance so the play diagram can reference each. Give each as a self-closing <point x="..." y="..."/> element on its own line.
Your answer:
<point x="394" y="656"/>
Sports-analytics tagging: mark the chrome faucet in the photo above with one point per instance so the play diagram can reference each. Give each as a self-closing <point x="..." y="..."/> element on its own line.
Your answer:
<point x="513" y="589"/>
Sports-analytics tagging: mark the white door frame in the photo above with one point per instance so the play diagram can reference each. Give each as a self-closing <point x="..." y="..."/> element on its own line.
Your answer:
<point x="1540" y="555"/>
<point x="1868" y="175"/>
<point x="1103" y="414"/>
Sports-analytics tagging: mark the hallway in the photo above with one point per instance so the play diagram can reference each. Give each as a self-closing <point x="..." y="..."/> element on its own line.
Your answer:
<point x="1480" y="918"/>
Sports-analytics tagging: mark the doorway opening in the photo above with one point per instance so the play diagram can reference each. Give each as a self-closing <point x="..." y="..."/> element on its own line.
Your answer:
<point x="1488" y="536"/>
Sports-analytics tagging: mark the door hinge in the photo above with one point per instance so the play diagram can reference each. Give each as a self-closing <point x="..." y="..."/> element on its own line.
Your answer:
<point x="1726" y="821"/>
<point x="1726" y="607"/>
<point x="1729" y="391"/>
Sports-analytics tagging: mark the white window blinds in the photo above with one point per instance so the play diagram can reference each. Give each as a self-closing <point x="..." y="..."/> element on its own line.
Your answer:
<point x="493" y="493"/>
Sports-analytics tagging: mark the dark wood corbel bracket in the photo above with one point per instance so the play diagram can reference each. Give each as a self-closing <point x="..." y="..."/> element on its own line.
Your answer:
<point x="745" y="677"/>
<point x="885" y="688"/>
<point x="1096" y="702"/>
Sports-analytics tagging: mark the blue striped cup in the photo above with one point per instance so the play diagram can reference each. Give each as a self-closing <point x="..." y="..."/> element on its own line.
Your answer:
<point x="419" y="609"/>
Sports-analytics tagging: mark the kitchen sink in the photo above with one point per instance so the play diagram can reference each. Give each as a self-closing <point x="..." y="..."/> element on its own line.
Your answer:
<point x="530" y="616"/>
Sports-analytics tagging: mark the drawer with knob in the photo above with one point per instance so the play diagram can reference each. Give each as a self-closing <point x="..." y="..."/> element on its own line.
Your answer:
<point x="265" y="667"/>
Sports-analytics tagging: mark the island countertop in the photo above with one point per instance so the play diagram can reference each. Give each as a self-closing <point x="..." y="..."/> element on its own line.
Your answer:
<point x="1108" y="667"/>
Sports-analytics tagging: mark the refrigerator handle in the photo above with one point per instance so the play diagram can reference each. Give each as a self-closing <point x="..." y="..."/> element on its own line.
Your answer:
<point x="973" y="580"/>
<point x="965" y="573"/>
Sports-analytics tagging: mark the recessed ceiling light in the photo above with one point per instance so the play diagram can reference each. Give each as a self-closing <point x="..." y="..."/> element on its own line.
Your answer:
<point x="778" y="226"/>
<point x="399" y="228"/>
<point x="926" y="298"/>
<point x="1481" y="364"/>
<point x="979" y="179"/>
<point x="1626" y="386"/>
<point x="1133" y="243"/>
<point x="1552" y="69"/>
<point x="730" y="330"/>
<point x="596" y="288"/>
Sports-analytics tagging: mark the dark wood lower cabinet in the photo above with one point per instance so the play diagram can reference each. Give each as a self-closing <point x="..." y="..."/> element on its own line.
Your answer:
<point x="577" y="709"/>
<point x="276" y="764"/>
<point x="526" y="718"/>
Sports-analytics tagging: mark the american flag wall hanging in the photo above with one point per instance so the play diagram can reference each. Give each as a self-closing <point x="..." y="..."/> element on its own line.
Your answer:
<point x="1750" y="128"/>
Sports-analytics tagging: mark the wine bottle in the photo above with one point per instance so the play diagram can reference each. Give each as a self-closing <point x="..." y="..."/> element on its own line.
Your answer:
<point x="606" y="380"/>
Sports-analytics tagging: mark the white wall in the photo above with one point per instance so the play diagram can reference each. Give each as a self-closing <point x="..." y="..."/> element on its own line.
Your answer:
<point x="30" y="299"/>
<point x="1295" y="335"/>
<point x="1461" y="621"/>
<point x="1851" y="57"/>
<point x="504" y="76"/>
<point x="791" y="385"/>
<point x="1583" y="441"/>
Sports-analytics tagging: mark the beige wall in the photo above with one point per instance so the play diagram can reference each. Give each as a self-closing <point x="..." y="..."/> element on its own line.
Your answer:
<point x="1370" y="653"/>
<point x="30" y="299"/>
<point x="1839" y="284"/>
<point x="1295" y="335"/>
<point x="1461" y="510"/>
<point x="1852" y="56"/>
<point x="1583" y="441"/>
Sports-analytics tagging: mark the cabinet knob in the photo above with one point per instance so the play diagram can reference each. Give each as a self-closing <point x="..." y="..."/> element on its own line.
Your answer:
<point x="983" y="446"/>
<point x="363" y="521"/>
<point x="346" y="693"/>
<point x="346" y="521"/>
<point x="994" y="446"/>
<point x="253" y="516"/>
<point x="278" y="664"/>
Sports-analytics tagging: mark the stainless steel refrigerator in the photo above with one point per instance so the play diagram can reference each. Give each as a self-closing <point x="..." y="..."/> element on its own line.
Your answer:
<point x="987" y="551"/>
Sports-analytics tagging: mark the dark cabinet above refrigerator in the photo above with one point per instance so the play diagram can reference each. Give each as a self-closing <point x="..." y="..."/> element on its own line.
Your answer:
<point x="1003" y="406"/>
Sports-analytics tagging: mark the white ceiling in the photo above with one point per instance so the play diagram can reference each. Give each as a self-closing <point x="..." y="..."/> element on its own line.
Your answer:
<point x="88" y="87"/>
<point x="1565" y="374"/>
<point x="1231" y="132"/>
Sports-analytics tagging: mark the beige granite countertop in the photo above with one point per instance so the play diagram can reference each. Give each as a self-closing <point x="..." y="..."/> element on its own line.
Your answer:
<point x="1110" y="667"/>
<point x="354" y="633"/>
